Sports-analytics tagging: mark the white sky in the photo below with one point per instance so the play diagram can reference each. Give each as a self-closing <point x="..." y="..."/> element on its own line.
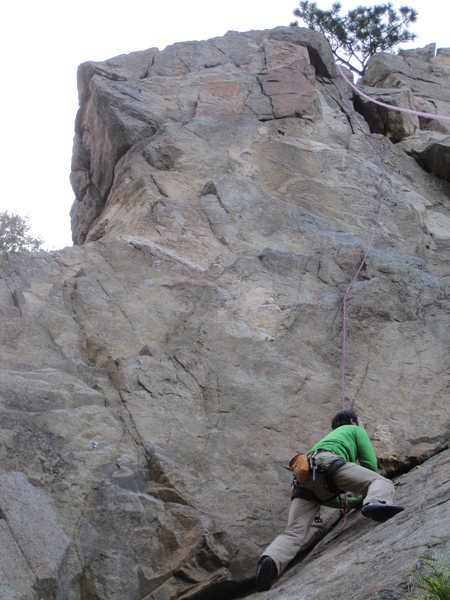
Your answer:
<point x="42" y="43"/>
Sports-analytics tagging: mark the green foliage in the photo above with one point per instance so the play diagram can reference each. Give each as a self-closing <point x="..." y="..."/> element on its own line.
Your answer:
<point x="14" y="234"/>
<point x="362" y="32"/>
<point x="433" y="582"/>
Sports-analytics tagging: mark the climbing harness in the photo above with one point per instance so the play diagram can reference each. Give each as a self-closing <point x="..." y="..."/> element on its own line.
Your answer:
<point x="302" y="465"/>
<point x="304" y="493"/>
<point x="329" y="475"/>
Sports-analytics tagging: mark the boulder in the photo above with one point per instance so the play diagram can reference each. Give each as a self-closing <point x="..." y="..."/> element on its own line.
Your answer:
<point x="393" y="124"/>
<point x="37" y="545"/>
<point x="432" y="150"/>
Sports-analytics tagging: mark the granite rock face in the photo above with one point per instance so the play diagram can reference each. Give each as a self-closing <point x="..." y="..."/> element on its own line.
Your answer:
<point x="157" y="376"/>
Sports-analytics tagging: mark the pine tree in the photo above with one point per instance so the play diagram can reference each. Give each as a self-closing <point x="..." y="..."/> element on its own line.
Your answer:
<point x="362" y="32"/>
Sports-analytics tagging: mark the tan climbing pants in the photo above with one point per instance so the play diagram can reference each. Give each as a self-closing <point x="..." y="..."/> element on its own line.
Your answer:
<point x="350" y="477"/>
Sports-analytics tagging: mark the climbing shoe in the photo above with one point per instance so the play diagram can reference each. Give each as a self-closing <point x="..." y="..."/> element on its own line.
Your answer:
<point x="380" y="511"/>
<point x="265" y="574"/>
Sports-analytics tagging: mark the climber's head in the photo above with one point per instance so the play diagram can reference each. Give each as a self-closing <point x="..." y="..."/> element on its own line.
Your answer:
<point x="344" y="417"/>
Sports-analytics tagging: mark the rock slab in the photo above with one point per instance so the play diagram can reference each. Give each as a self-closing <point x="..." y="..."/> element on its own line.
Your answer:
<point x="156" y="377"/>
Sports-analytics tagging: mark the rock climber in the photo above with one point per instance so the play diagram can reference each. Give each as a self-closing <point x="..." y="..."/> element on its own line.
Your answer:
<point x="332" y="470"/>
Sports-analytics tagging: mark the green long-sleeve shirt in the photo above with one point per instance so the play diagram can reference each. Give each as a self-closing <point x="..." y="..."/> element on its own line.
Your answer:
<point x="351" y="442"/>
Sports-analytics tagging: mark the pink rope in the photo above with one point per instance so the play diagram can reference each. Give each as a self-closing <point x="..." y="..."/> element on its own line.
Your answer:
<point x="344" y="504"/>
<point x="360" y="267"/>
<point x="345" y="508"/>
<point x="410" y="111"/>
<point x="351" y="284"/>
<point x="378" y="219"/>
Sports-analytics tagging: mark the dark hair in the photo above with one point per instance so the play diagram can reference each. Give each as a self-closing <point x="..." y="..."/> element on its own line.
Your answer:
<point x="344" y="417"/>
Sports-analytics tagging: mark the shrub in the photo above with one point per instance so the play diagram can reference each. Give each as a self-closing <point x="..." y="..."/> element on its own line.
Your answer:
<point x="14" y="234"/>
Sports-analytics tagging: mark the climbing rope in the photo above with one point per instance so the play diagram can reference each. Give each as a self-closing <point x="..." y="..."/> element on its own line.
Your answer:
<point x="355" y="277"/>
<point x="378" y="218"/>
<point x="369" y="248"/>
<point x="345" y="509"/>
<point x="344" y="501"/>
<point x="352" y="282"/>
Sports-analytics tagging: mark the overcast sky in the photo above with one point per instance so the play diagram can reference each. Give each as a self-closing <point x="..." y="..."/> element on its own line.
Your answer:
<point x="43" y="42"/>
